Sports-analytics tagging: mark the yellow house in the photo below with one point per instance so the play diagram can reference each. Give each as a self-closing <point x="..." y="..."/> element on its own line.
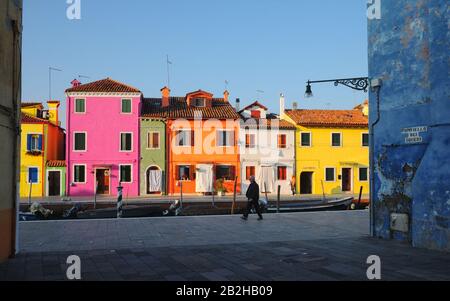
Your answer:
<point x="332" y="150"/>
<point x="42" y="142"/>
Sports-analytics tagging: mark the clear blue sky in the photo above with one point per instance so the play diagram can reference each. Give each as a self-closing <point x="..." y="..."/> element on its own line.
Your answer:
<point x="268" y="45"/>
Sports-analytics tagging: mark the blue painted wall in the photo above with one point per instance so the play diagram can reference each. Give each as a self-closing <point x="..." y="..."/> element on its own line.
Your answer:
<point x="409" y="50"/>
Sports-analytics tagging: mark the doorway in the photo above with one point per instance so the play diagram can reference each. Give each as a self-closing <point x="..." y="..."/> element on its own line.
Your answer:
<point x="306" y="182"/>
<point x="54" y="183"/>
<point x="102" y="177"/>
<point x="154" y="180"/>
<point x="346" y="179"/>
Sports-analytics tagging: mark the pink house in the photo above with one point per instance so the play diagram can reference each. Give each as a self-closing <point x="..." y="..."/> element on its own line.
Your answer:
<point x="102" y="138"/>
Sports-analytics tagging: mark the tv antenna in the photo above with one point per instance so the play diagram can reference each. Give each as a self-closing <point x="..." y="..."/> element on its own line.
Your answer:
<point x="168" y="62"/>
<point x="50" y="69"/>
<point x="258" y="94"/>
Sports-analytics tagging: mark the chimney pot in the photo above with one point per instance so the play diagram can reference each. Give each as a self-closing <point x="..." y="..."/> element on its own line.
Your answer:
<point x="165" y="97"/>
<point x="75" y="83"/>
<point x="226" y="94"/>
<point x="238" y="104"/>
<point x="295" y="106"/>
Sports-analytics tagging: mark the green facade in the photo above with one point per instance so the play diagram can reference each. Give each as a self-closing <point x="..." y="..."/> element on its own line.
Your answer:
<point x="152" y="158"/>
<point x="62" y="171"/>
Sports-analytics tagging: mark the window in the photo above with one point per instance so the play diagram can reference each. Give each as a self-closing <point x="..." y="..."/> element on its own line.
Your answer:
<point x="199" y="102"/>
<point x="80" y="142"/>
<point x="330" y="174"/>
<point x="305" y="139"/>
<point x="336" y="139"/>
<point x="126" y="106"/>
<point x="365" y="139"/>
<point x="33" y="175"/>
<point x="250" y="171"/>
<point x="282" y="141"/>
<point x="225" y="172"/>
<point x="282" y="173"/>
<point x="80" y="106"/>
<point x="153" y="140"/>
<point x="225" y="138"/>
<point x="125" y="174"/>
<point x="79" y="174"/>
<point x="185" y="138"/>
<point x="126" y="142"/>
<point x="256" y="114"/>
<point x="250" y="141"/>
<point x="363" y="174"/>
<point x="34" y="142"/>
<point x="185" y="173"/>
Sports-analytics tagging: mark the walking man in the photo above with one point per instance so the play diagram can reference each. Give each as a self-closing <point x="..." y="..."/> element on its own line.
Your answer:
<point x="253" y="199"/>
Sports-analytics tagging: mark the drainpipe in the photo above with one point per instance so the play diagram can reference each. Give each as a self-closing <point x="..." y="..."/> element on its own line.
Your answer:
<point x="376" y="87"/>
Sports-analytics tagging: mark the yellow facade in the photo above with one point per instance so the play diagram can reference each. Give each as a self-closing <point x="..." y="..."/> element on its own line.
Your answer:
<point x="347" y="164"/>
<point x="28" y="160"/>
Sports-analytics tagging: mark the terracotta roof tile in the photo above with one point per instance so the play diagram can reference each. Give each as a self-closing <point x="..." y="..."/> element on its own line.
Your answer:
<point x="178" y="108"/>
<point x="104" y="85"/>
<point x="30" y="104"/>
<point x="56" y="163"/>
<point x="257" y="104"/>
<point x="271" y="122"/>
<point x="335" y="118"/>
<point x="25" y="118"/>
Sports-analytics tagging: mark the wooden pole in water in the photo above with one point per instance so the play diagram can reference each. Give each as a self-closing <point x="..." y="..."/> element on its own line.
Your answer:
<point x="181" y="193"/>
<point x="278" y="198"/>
<point x="265" y="192"/>
<point x="234" y="196"/>
<point x="360" y="196"/>
<point x="323" y="192"/>
<point x="29" y="195"/>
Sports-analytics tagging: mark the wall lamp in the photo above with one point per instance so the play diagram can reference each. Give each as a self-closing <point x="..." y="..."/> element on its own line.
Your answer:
<point x="357" y="83"/>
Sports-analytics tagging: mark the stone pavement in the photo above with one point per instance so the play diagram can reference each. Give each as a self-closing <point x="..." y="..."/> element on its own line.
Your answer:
<point x="296" y="246"/>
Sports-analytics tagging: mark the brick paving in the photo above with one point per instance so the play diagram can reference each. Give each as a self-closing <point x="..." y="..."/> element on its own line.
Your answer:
<point x="297" y="246"/>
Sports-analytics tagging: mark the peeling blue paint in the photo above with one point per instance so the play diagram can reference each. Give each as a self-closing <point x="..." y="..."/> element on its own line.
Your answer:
<point x="408" y="50"/>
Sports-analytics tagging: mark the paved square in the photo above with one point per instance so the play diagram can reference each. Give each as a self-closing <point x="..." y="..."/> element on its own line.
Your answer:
<point x="297" y="246"/>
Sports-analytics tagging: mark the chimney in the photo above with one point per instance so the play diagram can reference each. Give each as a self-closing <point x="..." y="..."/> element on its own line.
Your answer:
<point x="295" y="106"/>
<point x="75" y="83"/>
<point x="53" y="106"/>
<point x="238" y="104"/>
<point x="225" y="95"/>
<point x="165" y="97"/>
<point x="282" y="104"/>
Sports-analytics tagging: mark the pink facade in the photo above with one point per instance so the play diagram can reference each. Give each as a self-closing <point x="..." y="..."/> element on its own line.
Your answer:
<point x="100" y="122"/>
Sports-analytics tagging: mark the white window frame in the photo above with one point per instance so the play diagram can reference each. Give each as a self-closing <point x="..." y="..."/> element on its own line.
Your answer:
<point x="159" y="140"/>
<point x="199" y="98"/>
<point x="340" y="139"/>
<point x="334" y="174"/>
<point x="75" y="106"/>
<point x="362" y="139"/>
<point x="310" y="139"/>
<point x="359" y="174"/>
<point x="28" y="174"/>
<point x="85" y="142"/>
<point x="251" y="146"/>
<point x="177" y="166"/>
<point x="85" y="173"/>
<point x="47" y="186"/>
<point x="177" y="140"/>
<point x="121" y="106"/>
<point x="226" y="130"/>
<point x="131" y="173"/>
<point x="40" y="134"/>
<point x="120" y="142"/>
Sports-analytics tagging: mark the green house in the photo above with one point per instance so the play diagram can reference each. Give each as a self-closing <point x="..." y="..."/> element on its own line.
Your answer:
<point x="153" y="156"/>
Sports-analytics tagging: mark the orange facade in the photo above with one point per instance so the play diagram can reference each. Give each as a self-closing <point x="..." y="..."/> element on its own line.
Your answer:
<point x="205" y="150"/>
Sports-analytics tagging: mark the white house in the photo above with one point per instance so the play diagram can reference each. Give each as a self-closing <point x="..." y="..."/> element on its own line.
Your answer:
<point x="267" y="147"/>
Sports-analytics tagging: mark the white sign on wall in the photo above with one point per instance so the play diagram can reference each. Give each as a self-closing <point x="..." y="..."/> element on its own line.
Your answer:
<point x="414" y="134"/>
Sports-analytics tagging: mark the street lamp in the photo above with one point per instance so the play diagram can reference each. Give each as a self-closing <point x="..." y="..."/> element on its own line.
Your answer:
<point x="356" y="83"/>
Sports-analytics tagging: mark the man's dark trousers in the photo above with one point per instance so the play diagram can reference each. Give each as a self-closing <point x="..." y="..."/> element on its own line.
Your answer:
<point x="252" y="204"/>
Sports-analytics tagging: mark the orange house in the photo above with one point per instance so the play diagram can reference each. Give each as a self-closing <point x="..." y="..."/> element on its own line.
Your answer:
<point x="202" y="141"/>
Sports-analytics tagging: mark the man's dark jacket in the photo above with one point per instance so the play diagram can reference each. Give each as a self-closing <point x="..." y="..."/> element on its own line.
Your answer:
<point x="253" y="192"/>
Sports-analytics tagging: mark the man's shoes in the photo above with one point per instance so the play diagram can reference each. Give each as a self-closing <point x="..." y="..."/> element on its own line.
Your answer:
<point x="260" y="218"/>
<point x="244" y="218"/>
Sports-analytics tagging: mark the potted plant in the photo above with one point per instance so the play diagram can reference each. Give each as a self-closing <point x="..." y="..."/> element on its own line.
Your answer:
<point x="220" y="188"/>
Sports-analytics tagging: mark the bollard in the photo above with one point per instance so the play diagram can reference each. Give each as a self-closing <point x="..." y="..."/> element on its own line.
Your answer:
<point x="119" y="201"/>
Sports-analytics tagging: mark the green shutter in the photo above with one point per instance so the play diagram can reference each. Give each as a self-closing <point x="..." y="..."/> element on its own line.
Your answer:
<point x="126" y="105"/>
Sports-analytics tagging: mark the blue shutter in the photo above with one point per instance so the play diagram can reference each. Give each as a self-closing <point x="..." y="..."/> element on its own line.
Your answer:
<point x="40" y="143"/>
<point x="32" y="175"/>
<point x="29" y="142"/>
